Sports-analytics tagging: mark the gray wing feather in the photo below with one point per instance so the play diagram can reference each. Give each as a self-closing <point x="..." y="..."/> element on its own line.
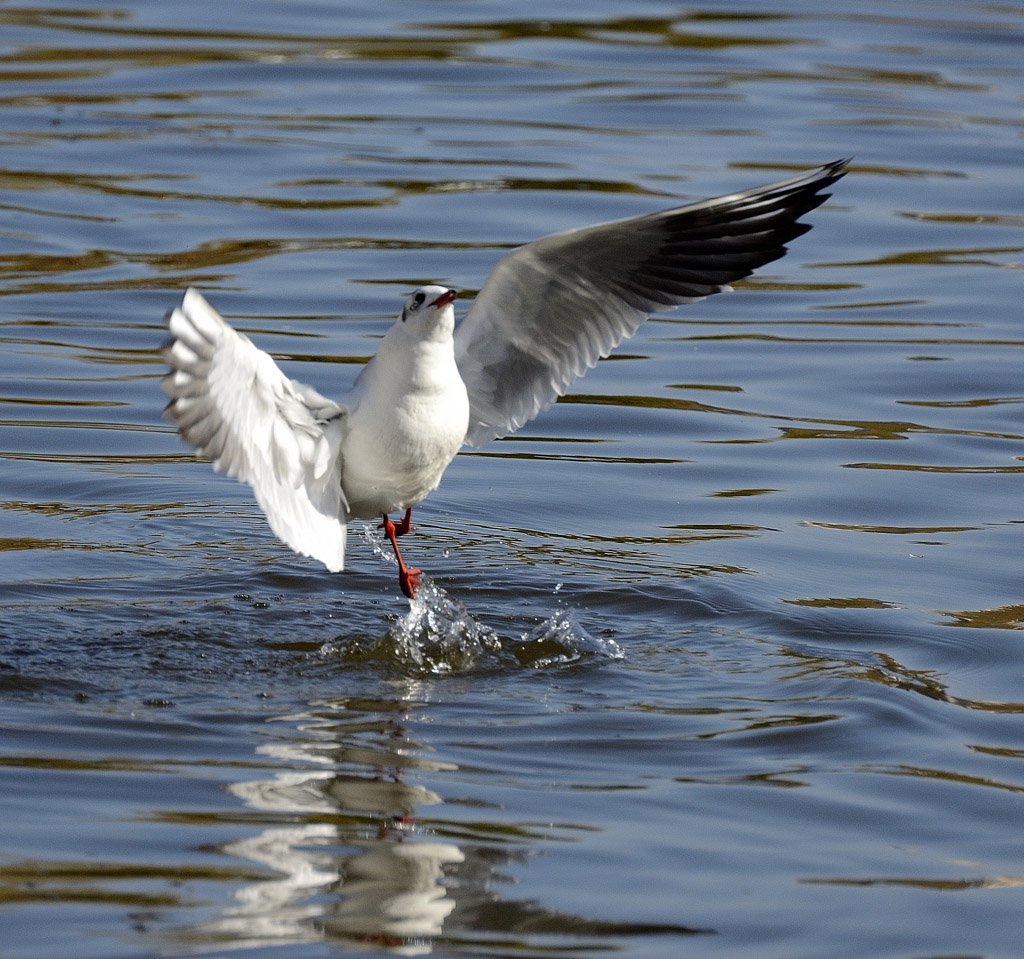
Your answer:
<point x="553" y="308"/>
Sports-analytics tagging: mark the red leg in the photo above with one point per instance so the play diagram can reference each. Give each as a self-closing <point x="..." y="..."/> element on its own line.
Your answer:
<point x="408" y="579"/>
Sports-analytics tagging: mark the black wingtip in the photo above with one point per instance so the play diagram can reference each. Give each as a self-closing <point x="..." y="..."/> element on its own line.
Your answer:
<point x="830" y="172"/>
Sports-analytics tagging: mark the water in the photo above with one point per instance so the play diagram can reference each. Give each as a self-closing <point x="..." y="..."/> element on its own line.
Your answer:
<point x="718" y="657"/>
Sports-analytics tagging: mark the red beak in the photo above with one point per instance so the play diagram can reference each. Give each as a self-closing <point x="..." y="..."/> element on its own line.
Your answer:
<point x="445" y="298"/>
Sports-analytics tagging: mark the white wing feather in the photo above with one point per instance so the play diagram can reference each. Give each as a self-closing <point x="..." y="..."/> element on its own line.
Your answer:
<point x="234" y="405"/>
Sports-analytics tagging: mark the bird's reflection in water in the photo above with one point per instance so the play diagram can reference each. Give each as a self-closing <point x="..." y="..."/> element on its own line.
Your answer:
<point x="356" y="869"/>
<point x="395" y="888"/>
<point x="353" y="864"/>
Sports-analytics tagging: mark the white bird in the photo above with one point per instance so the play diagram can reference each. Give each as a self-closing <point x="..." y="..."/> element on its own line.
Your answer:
<point x="547" y="313"/>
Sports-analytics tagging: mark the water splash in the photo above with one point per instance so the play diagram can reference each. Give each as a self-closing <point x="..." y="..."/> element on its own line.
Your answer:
<point x="439" y="636"/>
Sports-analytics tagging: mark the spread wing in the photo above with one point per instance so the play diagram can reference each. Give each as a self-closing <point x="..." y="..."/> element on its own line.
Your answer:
<point x="553" y="308"/>
<point x="231" y="402"/>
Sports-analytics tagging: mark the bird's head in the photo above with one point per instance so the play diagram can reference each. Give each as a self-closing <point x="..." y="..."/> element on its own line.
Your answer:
<point x="428" y="313"/>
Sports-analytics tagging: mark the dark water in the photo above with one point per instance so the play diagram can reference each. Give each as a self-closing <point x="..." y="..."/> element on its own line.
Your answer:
<point x="721" y="655"/>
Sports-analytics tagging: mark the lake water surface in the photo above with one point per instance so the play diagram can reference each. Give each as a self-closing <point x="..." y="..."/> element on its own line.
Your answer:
<point x="721" y="656"/>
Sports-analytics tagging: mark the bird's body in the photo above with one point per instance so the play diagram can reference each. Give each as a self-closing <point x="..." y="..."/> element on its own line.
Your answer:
<point x="547" y="313"/>
<point x="413" y="385"/>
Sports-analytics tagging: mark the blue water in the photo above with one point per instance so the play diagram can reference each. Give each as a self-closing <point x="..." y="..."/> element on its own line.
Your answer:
<point x="718" y="657"/>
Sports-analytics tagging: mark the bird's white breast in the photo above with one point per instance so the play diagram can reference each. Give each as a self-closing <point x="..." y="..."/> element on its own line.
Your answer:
<point x="408" y="419"/>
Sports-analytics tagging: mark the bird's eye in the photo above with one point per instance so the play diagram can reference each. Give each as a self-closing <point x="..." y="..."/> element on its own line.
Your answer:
<point x="417" y="300"/>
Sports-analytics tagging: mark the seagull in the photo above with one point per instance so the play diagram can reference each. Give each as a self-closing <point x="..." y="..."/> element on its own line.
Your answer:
<point x="546" y="314"/>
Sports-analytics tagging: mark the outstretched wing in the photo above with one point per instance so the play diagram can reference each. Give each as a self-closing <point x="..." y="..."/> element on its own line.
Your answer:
<point x="231" y="402"/>
<point x="553" y="308"/>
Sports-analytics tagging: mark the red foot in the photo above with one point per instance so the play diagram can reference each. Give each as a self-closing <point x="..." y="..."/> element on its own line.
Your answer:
<point x="403" y="527"/>
<point x="408" y="579"/>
